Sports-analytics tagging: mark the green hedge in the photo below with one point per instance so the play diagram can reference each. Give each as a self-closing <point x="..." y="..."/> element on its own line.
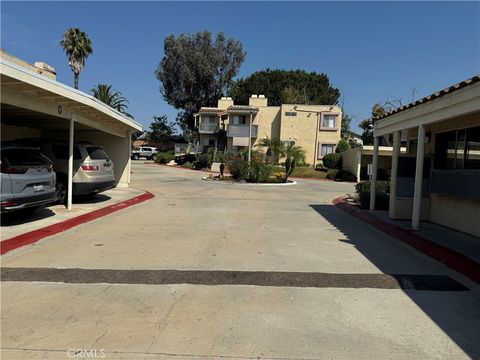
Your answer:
<point x="382" y="196"/>
<point x="332" y="161"/>
<point x="164" y="157"/>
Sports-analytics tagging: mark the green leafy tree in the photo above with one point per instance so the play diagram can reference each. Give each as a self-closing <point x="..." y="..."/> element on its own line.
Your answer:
<point x="286" y="86"/>
<point x="160" y="130"/>
<point x="112" y="98"/>
<point x="196" y="71"/>
<point x="343" y="145"/>
<point x="294" y="155"/>
<point x="344" y="130"/>
<point x="78" y="47"/>
<point x="274" y="148"/>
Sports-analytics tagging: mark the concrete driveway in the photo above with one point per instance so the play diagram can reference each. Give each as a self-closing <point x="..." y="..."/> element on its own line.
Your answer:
<point x="208" y="270"/>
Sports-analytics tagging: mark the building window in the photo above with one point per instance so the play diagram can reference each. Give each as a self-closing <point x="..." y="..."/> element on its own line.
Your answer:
<point x="329" y="121"/>
<point x="458" y="149"/>
<point x="239" y="120"/>
<point x="324" y="149"/>
<point x="209" y="119"/>
<point x="287" y="143"/>
<point x="290" y="113"/>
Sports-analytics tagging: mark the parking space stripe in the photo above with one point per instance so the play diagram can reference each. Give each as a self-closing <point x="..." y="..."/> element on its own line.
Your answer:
<point x="220" y="277"/>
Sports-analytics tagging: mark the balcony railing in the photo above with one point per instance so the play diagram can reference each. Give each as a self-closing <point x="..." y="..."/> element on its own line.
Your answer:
<point x="241" y="130"/>
<point x="207" y="128"/>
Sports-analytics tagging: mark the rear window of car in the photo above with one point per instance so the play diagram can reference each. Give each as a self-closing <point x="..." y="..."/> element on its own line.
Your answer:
<point x="96" y="153"/>
<point x="24" y="157"/>
<point x="60" y="151"/>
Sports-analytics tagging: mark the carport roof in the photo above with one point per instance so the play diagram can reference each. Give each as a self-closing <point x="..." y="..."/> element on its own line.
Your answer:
<point x="17" y="78"/>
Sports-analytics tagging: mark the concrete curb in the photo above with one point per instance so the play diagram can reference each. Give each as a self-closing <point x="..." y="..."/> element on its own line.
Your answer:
<point x="36" y="235"/>
<point x="446" y="256"/>
<point x="291" y="182"/>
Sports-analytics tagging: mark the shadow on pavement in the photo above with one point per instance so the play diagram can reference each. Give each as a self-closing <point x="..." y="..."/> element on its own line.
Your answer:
<point x="91" y="199"/>
<point x="456" y="313"/>
<point x="25" y="216"/>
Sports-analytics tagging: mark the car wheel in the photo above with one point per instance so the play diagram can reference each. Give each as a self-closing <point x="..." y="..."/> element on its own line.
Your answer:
<point x="136" y="157"/>
<point x="61" y="190"/>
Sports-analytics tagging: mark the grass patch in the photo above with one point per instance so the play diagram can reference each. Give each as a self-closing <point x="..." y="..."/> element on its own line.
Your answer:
<point x="304" y="172"/>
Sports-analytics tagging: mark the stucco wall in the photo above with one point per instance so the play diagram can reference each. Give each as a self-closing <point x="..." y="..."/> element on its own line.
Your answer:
<point x="456" y="213"/>
<point x="351" y="161"/>
<point x="303" y="129"/>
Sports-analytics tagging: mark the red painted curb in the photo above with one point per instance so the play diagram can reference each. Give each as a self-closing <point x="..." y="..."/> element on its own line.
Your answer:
<point x="445" y="255"/>
<point x="36" y="235"/>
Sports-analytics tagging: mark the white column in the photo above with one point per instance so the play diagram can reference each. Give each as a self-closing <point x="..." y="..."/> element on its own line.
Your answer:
<point x="250" y="138"/>
<point x="394" y="171"/>
<point x="373" y="183"/>
<point x="70" y="165"/>
<point x="417" y="194"/>
<point x="129" y="164"/>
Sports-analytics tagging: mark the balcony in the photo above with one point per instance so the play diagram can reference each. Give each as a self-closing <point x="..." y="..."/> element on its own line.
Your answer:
<point x="207" y="128"/>
<point x="241" y="130"/>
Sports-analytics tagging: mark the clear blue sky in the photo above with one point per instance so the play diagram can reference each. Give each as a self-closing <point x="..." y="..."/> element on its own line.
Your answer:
<point x="372" y="51"/>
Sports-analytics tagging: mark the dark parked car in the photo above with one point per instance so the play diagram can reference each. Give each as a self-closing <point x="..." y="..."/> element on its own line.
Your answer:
<point x="186" y="158"/>
<point x="27" y="178"/>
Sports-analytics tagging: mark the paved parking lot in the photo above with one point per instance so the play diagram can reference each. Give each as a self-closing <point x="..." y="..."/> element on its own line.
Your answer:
<point x="16" y="224"/>
<point x="207" y="270"/>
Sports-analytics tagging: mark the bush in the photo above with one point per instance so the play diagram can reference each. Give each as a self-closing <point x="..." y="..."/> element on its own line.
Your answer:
<point x="164" y="157"/>
<point x="331" y="174"/>
<point x="382" y="196"/>
<point x="259" y="171"/>
<point x="238" y="168"/>
<point x="256" y="171"/>
<point x="343" y="145"/>
<point x="332" y="161"/>
<point x="204" y="161"/>
<point x="344" y="175"/>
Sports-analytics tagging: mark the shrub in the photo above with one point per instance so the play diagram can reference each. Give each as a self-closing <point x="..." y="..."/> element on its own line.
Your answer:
<point x="259" y="171"/>
<point x="238" y="168"/>
<point x="343" y="145"/>
<point x="256" y="171"/>
<point x="382" y="196"/>
<point x="344" y="175"/>
<point x="320" y="167"/>
<point x="204" y="161"/>
<point x="332" y="161"/>
<point x="163" y="157"/>
<point x="331" y="174"/>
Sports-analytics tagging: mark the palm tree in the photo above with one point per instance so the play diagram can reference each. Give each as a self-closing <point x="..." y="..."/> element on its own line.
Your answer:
<point x="293" y="156"/>
<point x="78" y="47"/>
<point x="112" y="98"/>
<point x="274" y="148"/>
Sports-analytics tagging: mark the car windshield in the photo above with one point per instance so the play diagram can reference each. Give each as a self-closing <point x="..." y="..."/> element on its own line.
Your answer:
<point x="96" y="153"/>
<point x="24" y="157"/>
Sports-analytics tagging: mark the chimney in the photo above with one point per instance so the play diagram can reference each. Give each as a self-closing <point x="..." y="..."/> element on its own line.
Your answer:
<point x="225" y="102"/>
<point x="258" y="100"/>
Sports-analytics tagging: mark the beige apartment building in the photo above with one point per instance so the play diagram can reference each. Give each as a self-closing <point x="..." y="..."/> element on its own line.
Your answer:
<point x="316" y="128"/>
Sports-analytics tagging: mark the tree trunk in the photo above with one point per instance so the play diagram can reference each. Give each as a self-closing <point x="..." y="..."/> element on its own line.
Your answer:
<point x="75" y="80"/>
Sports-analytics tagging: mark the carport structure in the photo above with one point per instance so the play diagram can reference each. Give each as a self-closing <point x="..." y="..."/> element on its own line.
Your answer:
<point x="36" y="106"/>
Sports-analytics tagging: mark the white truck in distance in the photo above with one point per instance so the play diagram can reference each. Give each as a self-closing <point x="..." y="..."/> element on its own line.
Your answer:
<point x="147" y="152"/>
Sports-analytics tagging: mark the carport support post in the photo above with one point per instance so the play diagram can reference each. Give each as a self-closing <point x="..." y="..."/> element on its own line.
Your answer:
<point x="394" y="172"/>
<point x="250" y="138"/>
<point x="417" y="194"/>
<point x="373" y="183"/>
<point x="70" y="165"/>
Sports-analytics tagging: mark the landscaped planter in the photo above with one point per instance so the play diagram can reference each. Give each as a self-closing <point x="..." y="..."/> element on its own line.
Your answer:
<point x="230" y="180"/>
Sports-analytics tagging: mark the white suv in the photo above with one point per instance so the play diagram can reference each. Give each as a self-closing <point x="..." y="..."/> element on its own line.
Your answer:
<point x="147" y="152"/>
<point x="92" y="167"/>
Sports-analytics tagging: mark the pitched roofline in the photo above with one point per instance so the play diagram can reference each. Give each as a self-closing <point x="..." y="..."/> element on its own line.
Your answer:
<point x="433" y="96"/>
